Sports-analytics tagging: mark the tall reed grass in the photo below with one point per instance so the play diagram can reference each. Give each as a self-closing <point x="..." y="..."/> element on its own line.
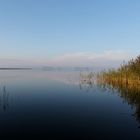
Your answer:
<point x="127" y="74"/>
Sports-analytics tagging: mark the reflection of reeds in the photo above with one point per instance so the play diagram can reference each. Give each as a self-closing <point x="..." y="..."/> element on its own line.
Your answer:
<point x="126" y="80"/>
<point x="130" y="93"/>
<point x="87" y="80"/>
<point x="4" y="99"/>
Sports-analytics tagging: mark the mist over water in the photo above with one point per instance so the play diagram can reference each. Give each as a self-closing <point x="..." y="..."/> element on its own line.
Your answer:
<point x="58" y="104"/>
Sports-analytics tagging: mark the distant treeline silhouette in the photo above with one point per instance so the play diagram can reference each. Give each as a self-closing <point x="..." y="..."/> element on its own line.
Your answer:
<point x="15" y="68"/>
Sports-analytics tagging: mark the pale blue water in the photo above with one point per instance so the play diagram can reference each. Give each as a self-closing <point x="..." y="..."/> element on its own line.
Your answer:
<point x="54" y="105"/>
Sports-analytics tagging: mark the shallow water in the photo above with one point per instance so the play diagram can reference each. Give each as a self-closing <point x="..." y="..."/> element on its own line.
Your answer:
<point x="56" y="105"/>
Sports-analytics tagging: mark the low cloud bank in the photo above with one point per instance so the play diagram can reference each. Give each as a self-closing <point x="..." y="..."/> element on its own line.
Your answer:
<point x="82" y="59"/>
<point x="104" y="59"/>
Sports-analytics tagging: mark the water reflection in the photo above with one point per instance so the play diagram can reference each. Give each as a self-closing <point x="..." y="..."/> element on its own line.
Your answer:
<point x="4" y="99"/>
<point x="129" y="93"/>
<point x="86" y="82"/>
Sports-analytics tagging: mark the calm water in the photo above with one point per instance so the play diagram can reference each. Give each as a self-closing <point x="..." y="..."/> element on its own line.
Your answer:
<point x="57" y="105"/>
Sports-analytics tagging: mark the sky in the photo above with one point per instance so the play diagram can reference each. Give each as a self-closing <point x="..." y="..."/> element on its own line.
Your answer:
<point x="68" y="32"/>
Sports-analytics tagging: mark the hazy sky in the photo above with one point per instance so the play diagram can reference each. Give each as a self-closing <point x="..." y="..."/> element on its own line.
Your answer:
<point x="68" y="32"/>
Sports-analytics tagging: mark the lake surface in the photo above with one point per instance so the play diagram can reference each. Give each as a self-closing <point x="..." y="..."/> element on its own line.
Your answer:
<point x="57" y="105"/>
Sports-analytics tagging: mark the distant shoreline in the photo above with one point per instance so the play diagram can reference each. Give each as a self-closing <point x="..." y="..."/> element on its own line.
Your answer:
<point x="15" y="68"/>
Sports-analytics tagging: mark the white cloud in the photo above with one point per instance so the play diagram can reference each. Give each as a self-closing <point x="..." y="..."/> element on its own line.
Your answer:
<point x="103" y="59"/>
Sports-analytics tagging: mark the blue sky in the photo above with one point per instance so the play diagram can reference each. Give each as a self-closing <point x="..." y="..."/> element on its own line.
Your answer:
<point x="48" y="30"/>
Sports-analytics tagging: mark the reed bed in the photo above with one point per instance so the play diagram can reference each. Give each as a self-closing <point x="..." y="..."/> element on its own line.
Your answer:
<point x="127" y="74"/>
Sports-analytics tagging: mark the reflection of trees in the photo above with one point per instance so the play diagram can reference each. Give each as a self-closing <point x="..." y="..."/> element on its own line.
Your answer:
<point x="129" y="93"/>
<point x="4" y="99"/>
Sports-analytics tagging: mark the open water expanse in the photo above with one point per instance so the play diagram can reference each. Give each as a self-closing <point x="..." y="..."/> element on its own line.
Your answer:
<point x="59" y="105"/>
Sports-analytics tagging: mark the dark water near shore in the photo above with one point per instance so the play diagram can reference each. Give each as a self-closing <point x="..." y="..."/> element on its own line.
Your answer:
<point x="57" y="105"/>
